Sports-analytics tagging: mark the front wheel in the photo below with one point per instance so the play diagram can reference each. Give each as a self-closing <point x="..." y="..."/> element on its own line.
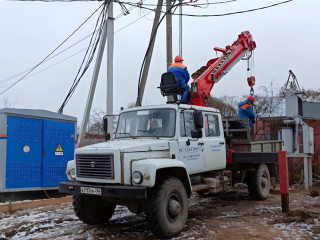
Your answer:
<point x="167" y="207"/>
<point x="259" y="183"/>
<point x="92" y="209"/>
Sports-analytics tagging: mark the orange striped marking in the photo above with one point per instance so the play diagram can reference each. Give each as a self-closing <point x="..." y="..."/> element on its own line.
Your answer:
<point x="3" y="135"/>
<point x="75" y="140"/>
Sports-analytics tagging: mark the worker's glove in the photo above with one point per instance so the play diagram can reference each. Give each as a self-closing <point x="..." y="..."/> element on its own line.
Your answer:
<point x="253" y="121"/>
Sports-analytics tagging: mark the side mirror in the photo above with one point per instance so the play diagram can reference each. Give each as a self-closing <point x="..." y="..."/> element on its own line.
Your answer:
<point x="107" y="137"/>
<point x="198" y="119"/>
<point x="105" y="124"/>
<point x="105" y="128"/>
<point x="196" y="133"/>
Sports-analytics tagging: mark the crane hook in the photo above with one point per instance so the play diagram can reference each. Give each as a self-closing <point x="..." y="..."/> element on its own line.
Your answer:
<point x="251" y="91"/>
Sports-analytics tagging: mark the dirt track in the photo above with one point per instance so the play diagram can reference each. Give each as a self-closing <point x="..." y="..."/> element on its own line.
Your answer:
<point x="226" y="216"/>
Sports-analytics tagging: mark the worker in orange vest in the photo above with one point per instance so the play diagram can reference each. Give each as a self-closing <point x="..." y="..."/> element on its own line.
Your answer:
<point x="245" y="110"/>
<point x="182" y="75"/>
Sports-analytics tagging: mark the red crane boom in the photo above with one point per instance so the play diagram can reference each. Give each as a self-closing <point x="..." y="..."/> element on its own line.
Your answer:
<point x="218" y="67"/>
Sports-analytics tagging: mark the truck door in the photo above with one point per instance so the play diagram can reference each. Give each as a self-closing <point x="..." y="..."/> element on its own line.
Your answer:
<point x="191" y="155"/>
<point x="214" y="143"/>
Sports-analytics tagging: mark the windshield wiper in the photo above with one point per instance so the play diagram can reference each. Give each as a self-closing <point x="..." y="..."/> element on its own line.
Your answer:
<point x="149" y="132"/>
<point x="128" y="134"/>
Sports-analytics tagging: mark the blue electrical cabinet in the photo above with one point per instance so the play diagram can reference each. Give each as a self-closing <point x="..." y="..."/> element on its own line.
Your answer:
<point x="58" y="149"/>
<point x="35" y="147"/>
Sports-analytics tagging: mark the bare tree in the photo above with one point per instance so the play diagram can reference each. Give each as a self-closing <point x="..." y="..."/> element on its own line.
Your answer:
<point x="96" y="122"/>
<point x="6" y="103"/>
<point x="225" y="104"/>
<point x="269" y="101"/>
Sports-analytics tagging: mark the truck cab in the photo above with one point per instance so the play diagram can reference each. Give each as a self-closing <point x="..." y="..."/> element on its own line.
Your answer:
<point x="165" y="133"/>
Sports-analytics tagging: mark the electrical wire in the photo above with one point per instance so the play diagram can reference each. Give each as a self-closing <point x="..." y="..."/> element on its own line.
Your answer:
<point x="92" y="51"/>
<point x="46" y="193"/>
<point x="96" y="36"/>
<point x="69" y="56"/>
<point x="53" y="50"/>
<point x="50" y="66"/>
<point x="219" y="15"/>
<point x="14" y="76"/>
<point x="156" y="5"/>
<point x="208" y="3"/>
<point x="149" y="45"/>
<point x="138" y="5"/>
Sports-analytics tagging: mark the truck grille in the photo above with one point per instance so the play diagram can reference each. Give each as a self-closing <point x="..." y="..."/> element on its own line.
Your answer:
<point x="95" y="166"/>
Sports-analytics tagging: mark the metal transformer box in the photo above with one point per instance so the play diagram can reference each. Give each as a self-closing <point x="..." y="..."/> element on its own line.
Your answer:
<point x="286" y="135"/>
<point x="35" y="146"/>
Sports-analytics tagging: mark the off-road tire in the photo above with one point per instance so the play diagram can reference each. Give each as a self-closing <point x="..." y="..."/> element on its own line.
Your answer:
<point x="162" y="223"/>
<point x="259" y="183"/>
<point x="92" y="209"/>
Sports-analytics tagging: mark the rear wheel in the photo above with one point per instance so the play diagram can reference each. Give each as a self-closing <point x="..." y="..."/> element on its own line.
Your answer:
<point x="92" y="210"/>
<point x="167" y="207"/>
<point x="259" y="183"/>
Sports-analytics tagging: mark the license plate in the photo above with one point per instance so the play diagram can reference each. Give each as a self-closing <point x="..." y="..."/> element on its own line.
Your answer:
<point x="90" y="190"/>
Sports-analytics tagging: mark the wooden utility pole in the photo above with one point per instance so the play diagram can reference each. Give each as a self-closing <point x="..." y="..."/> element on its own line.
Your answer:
<point x="149" y="55"/>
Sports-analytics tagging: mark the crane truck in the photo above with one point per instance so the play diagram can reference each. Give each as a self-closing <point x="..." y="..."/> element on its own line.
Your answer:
<point x="162" y="154"/>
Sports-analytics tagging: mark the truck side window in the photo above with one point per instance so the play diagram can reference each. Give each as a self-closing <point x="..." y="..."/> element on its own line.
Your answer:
<point x="186" y="124"/>
<point x="211" y="125"/>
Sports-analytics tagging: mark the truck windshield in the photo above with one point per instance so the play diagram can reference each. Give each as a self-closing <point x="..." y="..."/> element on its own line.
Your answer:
<point x="147" y="123"/>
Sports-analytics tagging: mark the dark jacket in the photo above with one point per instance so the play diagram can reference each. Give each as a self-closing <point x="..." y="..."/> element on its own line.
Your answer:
<point x="245" y="111"/>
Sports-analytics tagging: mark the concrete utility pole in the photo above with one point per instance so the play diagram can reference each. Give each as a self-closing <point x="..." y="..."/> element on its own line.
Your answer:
<point x="94" y="80"/>
<point x="169" y="39"/>
<point x="169" y="34"/>
<point x="180" y="28"/>
<point x="149" y="55"/>
<point x="110" y="48"/>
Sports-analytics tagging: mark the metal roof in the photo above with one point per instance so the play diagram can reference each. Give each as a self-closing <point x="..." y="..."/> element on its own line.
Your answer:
<point x="37" y="113"/>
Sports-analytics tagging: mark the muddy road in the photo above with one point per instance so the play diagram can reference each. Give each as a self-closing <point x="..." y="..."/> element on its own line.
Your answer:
<point x="230" y="215"/>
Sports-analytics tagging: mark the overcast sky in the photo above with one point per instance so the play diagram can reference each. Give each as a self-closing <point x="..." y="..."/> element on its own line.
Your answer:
<point x="287" y="38"/>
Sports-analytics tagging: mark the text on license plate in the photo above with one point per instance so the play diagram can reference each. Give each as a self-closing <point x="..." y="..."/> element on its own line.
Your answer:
<point x="90" y="190"/>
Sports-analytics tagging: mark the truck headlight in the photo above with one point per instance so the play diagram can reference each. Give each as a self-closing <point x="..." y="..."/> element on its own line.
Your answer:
<point x="73" y="173"/>
<point x="137" y="177"/>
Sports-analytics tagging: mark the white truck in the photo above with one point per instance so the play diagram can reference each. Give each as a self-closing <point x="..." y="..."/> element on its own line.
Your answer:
<point x="161" y="154"/>
<point x="159" y="157"/>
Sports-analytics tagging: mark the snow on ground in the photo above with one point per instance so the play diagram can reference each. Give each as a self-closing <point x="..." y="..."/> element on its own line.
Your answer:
<point x="226" y="216"/>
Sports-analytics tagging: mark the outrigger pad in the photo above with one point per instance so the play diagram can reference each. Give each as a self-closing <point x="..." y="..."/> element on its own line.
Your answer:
<point x="169" y="84"/>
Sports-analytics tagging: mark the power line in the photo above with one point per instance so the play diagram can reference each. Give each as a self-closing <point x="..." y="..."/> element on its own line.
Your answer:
<point x="5" y="80"/>
<point x="12" y="77"/>
<point x="211" y="3"/>
<point x="156" y="5"/>
<point x="133" y="22"/>
<point x="49" y="66"/>
<point x="149" y="45"/>
<point x="88" y="60"/>
<point x="53" y="50"/>
<point x="219" y="15"/>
